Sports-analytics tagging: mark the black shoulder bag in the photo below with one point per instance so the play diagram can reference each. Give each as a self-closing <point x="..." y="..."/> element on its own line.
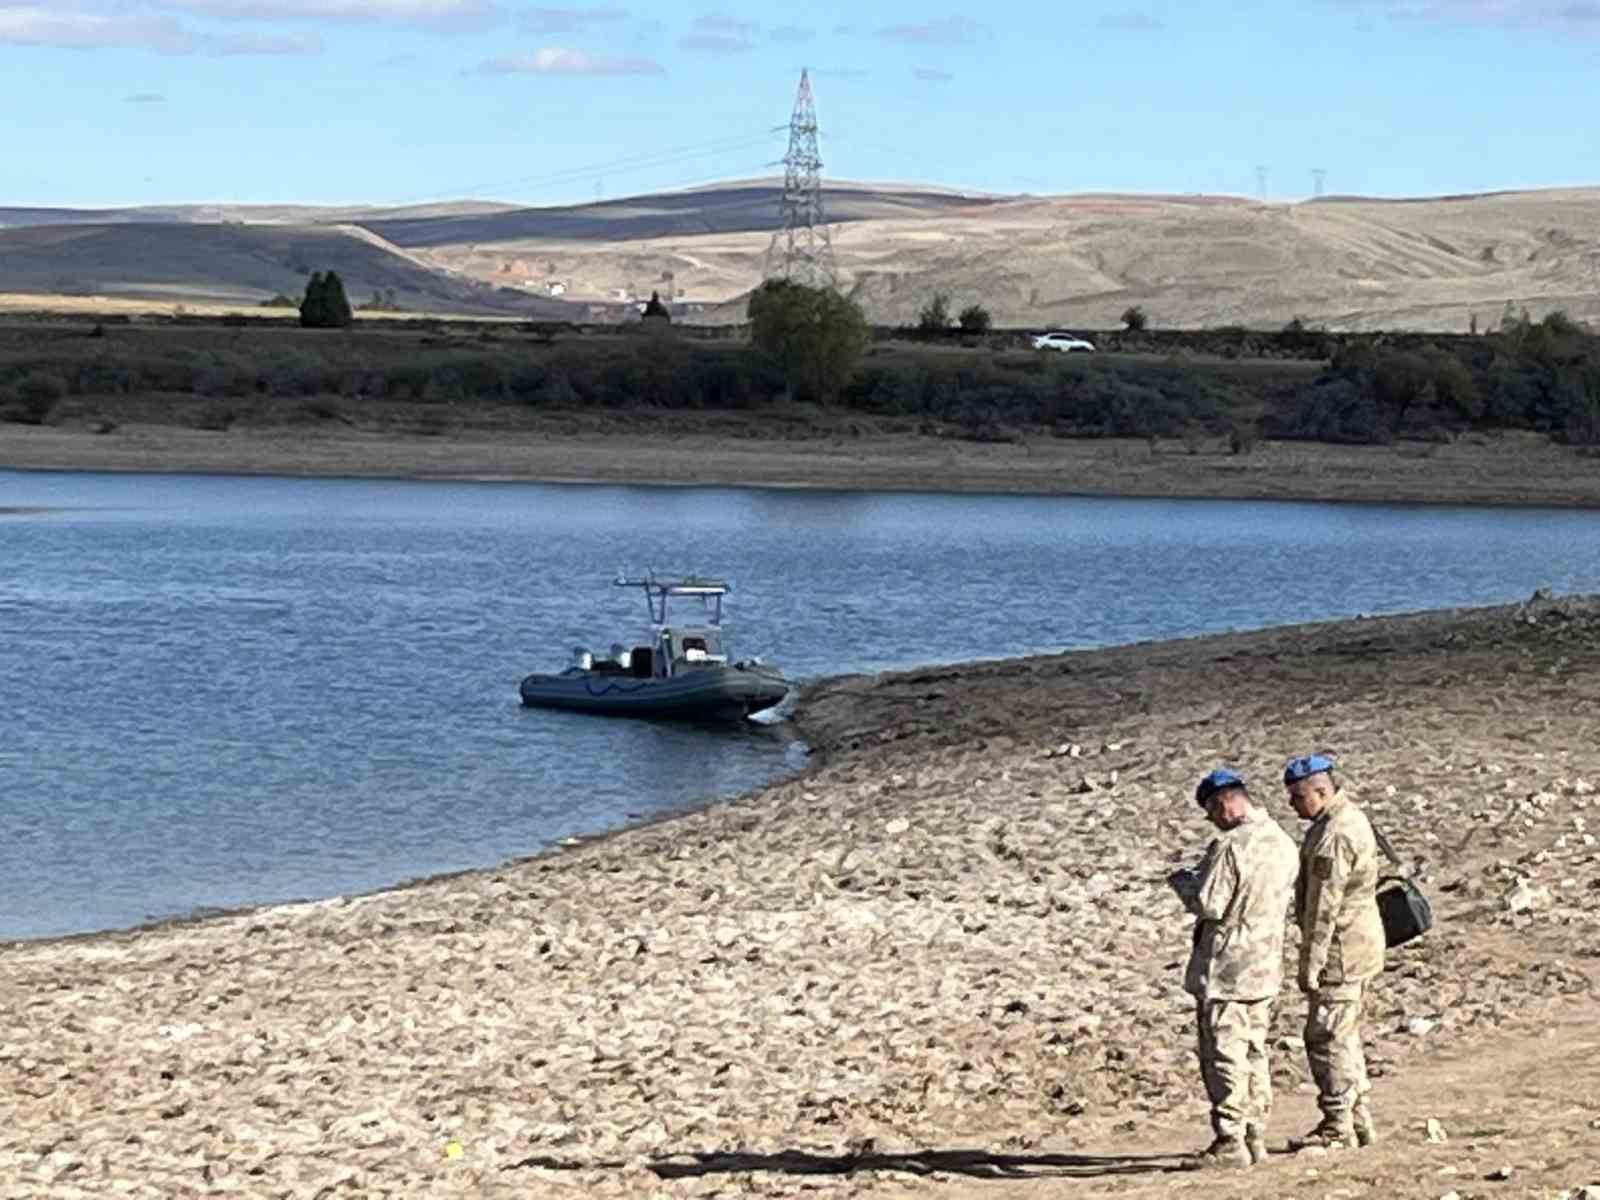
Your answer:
<point x="1404" y="910"/>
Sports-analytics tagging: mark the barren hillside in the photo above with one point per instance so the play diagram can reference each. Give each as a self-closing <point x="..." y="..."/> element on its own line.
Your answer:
<point x="237" y="264"/>
<point x="1077" y="261"/>
<point x="1080" y="261"/>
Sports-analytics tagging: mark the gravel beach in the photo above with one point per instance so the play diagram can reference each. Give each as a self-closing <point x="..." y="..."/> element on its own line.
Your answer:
<point x="940" y="959"/>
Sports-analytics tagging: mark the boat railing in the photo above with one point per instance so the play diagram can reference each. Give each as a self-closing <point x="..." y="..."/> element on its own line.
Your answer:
<point x="657" y="590"/>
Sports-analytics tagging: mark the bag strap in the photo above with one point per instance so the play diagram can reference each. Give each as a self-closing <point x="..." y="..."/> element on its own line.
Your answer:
<point x="1383" y="844"/>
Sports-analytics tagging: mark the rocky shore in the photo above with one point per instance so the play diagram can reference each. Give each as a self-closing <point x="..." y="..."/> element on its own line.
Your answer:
<point x="942" y="956"/>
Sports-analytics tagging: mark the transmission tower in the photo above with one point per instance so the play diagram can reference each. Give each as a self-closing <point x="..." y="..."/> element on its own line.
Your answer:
<point x="1319" y="176"/>
<point x="801" y="248"/>
<point x="1261" y="184"/>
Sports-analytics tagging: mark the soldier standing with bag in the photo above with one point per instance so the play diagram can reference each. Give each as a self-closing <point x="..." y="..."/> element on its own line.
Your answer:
<point x="1341" y="948"/>
<point x="1239" y="896"/>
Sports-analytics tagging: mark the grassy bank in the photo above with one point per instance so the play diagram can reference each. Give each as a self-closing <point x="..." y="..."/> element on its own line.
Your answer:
<point x="432" y="376"/>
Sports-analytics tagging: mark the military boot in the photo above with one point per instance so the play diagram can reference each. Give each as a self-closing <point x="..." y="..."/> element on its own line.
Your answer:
<point x="1361" y="1124"/>
<point x="1330" y="1134"/>
<point x="1224" y="1152"/>
<point x="1255" y="1142"/>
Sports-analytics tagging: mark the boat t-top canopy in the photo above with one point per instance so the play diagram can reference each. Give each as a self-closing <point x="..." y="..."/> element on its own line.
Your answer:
<point x="657" y="590"/>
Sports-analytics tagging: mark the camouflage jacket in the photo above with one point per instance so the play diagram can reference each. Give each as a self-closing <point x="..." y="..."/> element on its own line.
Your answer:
<point x="1335" y="899"/>
<point x="1241" y="904"/>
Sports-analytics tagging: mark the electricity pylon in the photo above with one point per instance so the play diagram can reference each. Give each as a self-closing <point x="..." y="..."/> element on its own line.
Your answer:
<point x="802" y="249"/>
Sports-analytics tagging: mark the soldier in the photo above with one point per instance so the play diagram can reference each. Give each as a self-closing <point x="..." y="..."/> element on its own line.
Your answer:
<point x="1239" y="896"/>
<point x="1341" y="947"/>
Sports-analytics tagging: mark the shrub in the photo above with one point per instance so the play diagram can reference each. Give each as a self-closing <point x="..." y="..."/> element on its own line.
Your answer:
<point x="974" y="319"/>
<point x="935" y="314"/>
<point x="814" y="336"/>
<point x="33" y="399"/>
<point x="1134" y="319"/>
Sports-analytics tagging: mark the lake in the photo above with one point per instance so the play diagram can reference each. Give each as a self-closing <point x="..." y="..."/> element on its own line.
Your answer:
<point x="227" y="690"/>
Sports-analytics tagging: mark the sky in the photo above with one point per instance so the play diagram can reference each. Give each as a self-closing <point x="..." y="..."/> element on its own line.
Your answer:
<point x="114" y="102"/>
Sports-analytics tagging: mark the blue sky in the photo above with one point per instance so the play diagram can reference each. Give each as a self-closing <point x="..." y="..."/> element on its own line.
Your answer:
<point x="401" y="101"/>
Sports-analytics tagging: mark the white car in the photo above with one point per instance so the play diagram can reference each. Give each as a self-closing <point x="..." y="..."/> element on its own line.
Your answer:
<point x="1065" y="342"/>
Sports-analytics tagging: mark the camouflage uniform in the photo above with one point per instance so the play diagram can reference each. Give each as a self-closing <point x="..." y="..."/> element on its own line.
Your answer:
<point x="1240" y="898"/>
<point x="1341" y="951"/>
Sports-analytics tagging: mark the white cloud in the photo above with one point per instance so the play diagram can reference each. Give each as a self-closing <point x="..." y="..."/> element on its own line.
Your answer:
<point x="716" y="43"/>
<point x="568" y="20"/>
<point x="1133" y="22"/>
<point x="719" y="23"/>
<point x="145" y="98"/>
<point x="242" y="44"/>
<point x="557" y="60"/>
<point x="932" y="75"/>
<point x="947" y="31"/>
<point x="22" y="25"/>
<point x="83" y="29"/>
<point x="1565" y="15"/>
<point x="396" y="12"/>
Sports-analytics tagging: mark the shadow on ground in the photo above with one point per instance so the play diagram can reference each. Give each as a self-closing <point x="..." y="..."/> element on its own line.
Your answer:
<point x="979" y="1164"/>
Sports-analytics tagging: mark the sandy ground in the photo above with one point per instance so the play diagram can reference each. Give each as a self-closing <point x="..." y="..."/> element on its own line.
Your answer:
<point x="1503" y="469"/>
<point x="941" y="962"/>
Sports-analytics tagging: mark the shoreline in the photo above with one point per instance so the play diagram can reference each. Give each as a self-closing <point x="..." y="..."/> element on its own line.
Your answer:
<point x="949" y="931"/>
<point x="818" y="736"/>
<point x="1508" y="470"/>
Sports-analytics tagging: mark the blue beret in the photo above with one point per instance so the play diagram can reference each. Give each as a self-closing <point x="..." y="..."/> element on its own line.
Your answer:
<point x="1305" y="766"/>
<point x="1215" y="782"/>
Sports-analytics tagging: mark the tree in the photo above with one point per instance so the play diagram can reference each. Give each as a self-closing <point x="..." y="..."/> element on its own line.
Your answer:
<point x="814" y="335"/>
<point x="314" y="305"/>
<point x="974" y="319"/>
<point x="935" y="314"/>
<point x="1133" y="317"/>
<point x="325" y="305"/>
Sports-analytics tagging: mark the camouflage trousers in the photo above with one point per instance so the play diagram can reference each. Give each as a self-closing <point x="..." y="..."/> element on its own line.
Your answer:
<point x="1232" y="1038"/>
<point x="1333" y="1049"/>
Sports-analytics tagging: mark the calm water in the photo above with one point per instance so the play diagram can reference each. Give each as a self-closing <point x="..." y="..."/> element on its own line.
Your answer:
<point x="220" y="691"/>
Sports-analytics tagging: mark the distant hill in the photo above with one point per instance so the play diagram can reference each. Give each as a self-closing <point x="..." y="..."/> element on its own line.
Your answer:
<point x="732" y="208"/>
<point x="242" y="264"/>
<point x="275" y="214"/>
<point x="1034" y="261"/>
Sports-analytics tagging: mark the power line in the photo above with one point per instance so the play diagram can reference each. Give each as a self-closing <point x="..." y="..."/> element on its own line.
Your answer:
<point x="617" y="166"/>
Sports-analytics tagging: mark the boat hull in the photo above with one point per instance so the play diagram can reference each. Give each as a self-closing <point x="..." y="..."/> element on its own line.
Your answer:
<point x="713" y="693"/>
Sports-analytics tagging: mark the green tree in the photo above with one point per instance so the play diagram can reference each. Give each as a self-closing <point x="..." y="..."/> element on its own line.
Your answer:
<point x="314" y="304"/>
<point x="814" y="335"/>
<point x="325" y="305"/>
<point x="975" y="319"/>
<point x="1134" y="319"/>
<point x="935" y="314"/>
<point x="339" y="311"/>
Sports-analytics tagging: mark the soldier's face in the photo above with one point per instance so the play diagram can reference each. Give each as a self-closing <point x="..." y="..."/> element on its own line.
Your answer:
<point x="1227" y="808"/>
<point x="1309" y="796"/>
